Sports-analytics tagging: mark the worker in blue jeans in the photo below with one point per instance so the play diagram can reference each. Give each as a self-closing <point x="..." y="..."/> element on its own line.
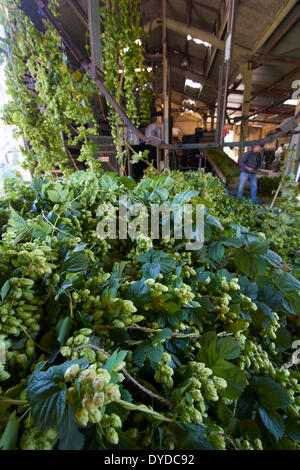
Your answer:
<point x="249" y="163"/>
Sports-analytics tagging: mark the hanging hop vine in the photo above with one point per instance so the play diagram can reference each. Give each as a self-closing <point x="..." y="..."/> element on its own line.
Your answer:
<point x="47" y="96"/>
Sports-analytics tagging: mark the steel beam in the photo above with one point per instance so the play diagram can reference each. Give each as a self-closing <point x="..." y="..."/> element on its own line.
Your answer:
<point x="182" y="29"/>
<point x="220" y="25"/>
<point x="271" y="59"/>
<point x="166" y="95"/>
<point x="78" y="12"/>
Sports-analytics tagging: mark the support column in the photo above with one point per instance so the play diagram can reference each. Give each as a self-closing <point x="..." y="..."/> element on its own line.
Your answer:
<point x="247" y="73"/>
<point x="166" y="100"/>
<point x="212" y="117"/>
<point x="222" y="104"/>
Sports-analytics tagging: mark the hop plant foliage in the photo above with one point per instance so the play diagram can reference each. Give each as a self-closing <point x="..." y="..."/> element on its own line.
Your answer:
<point x="137" y="342"/>
<point x="125" y="70"/>
<point x="47" y="95"/>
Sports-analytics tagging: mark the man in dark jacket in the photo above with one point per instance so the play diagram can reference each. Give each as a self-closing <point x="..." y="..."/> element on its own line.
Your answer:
<point x="249" y="163"/>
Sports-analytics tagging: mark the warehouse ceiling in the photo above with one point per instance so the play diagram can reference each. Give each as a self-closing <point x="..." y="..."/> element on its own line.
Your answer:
<point x="266" y="38"/>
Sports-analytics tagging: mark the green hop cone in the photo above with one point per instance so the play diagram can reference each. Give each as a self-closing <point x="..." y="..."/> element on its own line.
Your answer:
<point x="115" y="421"/>
<point x="219" y="382"/>
<point x="72" y="372"/>
<point x="82" y="417"/>
<point x="112" y="436"/>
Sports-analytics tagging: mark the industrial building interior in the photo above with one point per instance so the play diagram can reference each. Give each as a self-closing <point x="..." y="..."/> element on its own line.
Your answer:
<point x="226" y="68"/>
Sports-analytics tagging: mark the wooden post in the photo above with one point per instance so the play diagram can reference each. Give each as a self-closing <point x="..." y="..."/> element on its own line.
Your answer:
<point x="247" y="74"/>
<point x="166" y="100"/>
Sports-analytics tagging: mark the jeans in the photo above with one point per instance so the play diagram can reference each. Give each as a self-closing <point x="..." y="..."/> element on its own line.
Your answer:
<point x="253" y="185"/>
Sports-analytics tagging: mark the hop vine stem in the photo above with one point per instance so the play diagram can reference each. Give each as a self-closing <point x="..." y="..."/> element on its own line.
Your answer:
<point x="129" y="377"/>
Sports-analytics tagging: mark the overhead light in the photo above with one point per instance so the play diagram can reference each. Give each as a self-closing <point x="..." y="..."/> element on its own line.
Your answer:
<point x="188" y="101"/>
<point x="192" y="84"/>
<point x="138" y="69"/>
<point x="184" y="63"/>
<point x="291" y="102"/>
<point x="198" y="41"/>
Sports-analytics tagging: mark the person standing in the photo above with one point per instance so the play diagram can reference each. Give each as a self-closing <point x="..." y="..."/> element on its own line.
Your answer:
<point x="249" y="163"/>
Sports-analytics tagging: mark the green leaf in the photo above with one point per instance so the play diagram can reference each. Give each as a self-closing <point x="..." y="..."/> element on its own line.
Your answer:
<point x="75" y="262"/>
<point x="46" y="393"/>
<point x="161" y="336"/>
<point x="283" y="340"/>
<point x="234" y="376"/>
<point x="184" y="197"/>
<point x="272" y="396"/>
<point x="9" y="437"/>
<point x="4" y="290"/>
<point x="79" y="247"/>
<point x="257" y="246"/>
<point x="293" y="428"/>
<point x="128" y="182"/>
<point x="273" y="422"/>
<point x="138" y="293"/>
<point x="289" y="286"/>
<point x="114" y="360"/>
<point x="41" y="230"/>
<point x="63" y="328"/>
<point x="273" y="259"/>
<point x="146" y="351"/>
<point x="54" y="196"/>
<point x="228" y="348"/>
<point x="190" y="437"/>
<point x="224" y="413"/>
<point x="70" y="438"/>
<point x="248" y="288"/>
<point x="208" y="352"/>
<point x="250" y="264"/>
<point x="201" y="276"/>
<point x="238" y="325"/>
<point x="214" y="348"/>
<point x="167" y="262"/>
<point x="69" y="282"/>
<point x="177" y="345"/>
<point x="211" y="220"/>
<point x="151" y="270"/>
<point x="249" y="429"/>
<point x="216" y="251"/>
<point x="16" y="221"/>
<point x="263" y="317"/>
